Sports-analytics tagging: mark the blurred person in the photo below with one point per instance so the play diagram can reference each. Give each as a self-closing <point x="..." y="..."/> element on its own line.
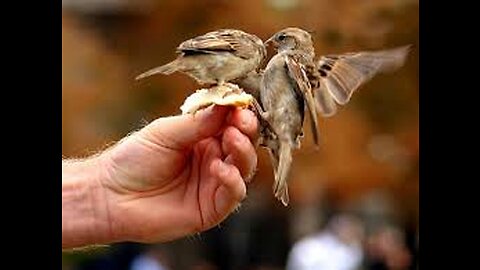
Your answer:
<point x="175" y="177"/>
<point x="337" y="247"/>
<point x="386" y="249"/>
<point x="155" y="258"/>
<point x="146" y="262"/>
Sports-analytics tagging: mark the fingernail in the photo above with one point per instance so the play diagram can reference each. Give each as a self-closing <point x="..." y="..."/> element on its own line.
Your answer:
<point x="212" y="110"/>
<point x="209" y="111"/>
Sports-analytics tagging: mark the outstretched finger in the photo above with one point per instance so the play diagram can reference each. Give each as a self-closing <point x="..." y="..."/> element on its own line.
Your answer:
<point x="183" y="131"/>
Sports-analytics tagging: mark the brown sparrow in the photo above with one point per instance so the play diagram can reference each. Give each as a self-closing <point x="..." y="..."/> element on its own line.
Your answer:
<point x="292" y="79"/>
<point x="216" y="57"/>
<point x="285" y="94"/>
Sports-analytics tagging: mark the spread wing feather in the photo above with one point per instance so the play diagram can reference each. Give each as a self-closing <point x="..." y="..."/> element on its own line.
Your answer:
<point x="341" y="75"/>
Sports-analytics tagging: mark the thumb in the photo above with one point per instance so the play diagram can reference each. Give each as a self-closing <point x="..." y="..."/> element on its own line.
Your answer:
<point x="182" y="131"/>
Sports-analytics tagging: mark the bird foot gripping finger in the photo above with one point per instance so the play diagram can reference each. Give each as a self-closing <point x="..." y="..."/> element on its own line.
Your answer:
<point x="263" y="116"/>
<point x="266" y="130"/>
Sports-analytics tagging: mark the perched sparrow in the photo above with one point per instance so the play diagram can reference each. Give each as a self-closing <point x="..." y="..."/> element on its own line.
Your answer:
<point x="285" y="93"/>
<point x="337" y="77"/>
<point x="216" y="57"/>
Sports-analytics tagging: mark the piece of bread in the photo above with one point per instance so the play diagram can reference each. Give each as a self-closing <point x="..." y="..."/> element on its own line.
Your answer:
<point x="226" y="95"/>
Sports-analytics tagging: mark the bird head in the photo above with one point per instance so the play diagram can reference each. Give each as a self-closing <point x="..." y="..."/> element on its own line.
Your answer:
<point x="291" y="39"/>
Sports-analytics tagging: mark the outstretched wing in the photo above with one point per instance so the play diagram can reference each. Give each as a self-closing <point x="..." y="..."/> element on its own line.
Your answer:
<point x="341" y="75"/>
<point x="298" y="74"/>
<point x="225" y="40"/>
<point x="326" y="105"/>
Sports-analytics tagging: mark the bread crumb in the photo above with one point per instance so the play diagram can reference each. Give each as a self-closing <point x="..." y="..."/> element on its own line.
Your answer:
<point x="227" y="95"/>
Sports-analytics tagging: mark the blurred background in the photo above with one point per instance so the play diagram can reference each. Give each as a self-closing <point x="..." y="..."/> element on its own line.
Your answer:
<point x="354" y="202"/>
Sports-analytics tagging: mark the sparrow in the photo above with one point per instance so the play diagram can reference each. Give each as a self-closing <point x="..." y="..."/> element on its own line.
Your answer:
<point x="285" y="95"/>
<point x="294" y="81"/>
<point x="216" y="57"/>
<point x="334" y="78"/>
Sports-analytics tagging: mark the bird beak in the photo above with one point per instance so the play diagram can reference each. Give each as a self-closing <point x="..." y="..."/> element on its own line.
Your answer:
<point x="270" y="40"/>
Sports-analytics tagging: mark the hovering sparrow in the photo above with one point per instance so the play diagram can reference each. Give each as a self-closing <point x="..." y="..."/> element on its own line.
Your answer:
<point x="285" y="94"/>
<point x="216" y="57"/>
<point x="293" y="79"/>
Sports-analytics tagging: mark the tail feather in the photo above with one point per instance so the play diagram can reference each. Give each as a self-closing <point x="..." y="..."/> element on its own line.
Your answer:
<point x="285" y="160"/>
<point x="165" y="69"/>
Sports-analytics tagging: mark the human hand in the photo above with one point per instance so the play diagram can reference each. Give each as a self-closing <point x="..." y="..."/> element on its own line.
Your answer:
<point x="177" y="176"/>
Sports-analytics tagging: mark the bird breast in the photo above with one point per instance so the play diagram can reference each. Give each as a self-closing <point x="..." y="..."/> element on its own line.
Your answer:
<point x="280" y="101"/>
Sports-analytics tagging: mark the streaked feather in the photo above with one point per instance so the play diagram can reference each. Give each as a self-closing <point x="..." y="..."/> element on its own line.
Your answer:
<point x="223" y="40"/>
<point x="300" y="77"/>
<point x="343" y="74"/>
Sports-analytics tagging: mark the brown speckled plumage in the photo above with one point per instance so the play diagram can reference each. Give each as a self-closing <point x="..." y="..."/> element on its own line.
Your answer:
<point x="285" y="94"/>
<point x="216" y="57"/>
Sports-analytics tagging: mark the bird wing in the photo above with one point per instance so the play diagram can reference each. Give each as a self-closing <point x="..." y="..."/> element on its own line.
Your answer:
<point x="298" y="74"/>
<point x="326" y="105"/>
<point x="341" y="75"/>
<point x="225" y="40"/>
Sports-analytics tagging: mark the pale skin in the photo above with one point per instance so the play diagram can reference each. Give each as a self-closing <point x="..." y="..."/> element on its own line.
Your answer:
<point x="177" y="176"/>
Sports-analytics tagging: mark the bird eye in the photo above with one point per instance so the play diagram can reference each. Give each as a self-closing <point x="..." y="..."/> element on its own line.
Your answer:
<point x="282" y="37"/>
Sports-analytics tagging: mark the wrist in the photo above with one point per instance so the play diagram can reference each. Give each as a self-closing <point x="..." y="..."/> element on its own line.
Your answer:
<point x="85" y="215"/>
